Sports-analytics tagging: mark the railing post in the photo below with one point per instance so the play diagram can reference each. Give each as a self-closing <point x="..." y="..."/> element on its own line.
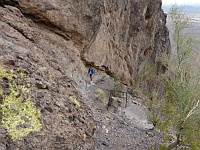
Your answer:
<point x="126" y="100"/>
<point x="109" y="100"/>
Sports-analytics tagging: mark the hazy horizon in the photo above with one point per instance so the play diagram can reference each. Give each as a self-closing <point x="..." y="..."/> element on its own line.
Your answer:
<point x="190" y="8"/>
<point x="180" y="2"/>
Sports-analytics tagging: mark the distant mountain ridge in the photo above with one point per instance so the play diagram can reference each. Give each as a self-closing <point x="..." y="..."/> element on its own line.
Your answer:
<point x="186" y="8"/>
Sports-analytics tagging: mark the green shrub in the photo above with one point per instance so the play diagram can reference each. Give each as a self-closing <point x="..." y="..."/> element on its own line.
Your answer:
<point x="118" y="86"/>
<point x="104" y="77"/>
<point x="176" y="111"/>
<point x="180" y="115"/>
<point x="19" y="115"/>
<point x="101" y="95"/>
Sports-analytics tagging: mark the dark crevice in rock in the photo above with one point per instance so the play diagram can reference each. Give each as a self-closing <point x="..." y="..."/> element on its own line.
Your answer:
<point x="101" y="68"/>
<point x="11" y="36"/>
<point x="66" y="37"/>
<point x="147" y="15"/>
<point x="20" y="31"/>
<point x="148" y="51"/>
<point x="44" y="22"/>
<point x="9" y="2"/>
<point x="37" y="19"/>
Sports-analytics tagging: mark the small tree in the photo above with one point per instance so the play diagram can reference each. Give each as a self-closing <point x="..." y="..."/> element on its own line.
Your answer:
<point x="118" y="86"/>
<point x="175" y="111"/>
<point x="182" y="87"/>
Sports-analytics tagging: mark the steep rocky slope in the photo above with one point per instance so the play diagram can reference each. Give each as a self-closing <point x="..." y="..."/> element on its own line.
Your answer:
<point x="52" y="41"/>
<point x="41" y="55"/>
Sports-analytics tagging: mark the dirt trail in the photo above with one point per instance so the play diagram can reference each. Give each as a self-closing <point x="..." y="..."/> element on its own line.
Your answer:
<point x="118" y="128"/>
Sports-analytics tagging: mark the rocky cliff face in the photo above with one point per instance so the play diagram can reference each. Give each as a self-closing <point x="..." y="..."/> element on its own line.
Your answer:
<point x="131" y="32"/>
<point x="51" y="41"/>
<point x="116" y="36"/>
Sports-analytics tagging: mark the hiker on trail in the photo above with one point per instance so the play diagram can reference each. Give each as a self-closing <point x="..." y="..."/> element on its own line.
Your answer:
<point x="91" y="72"/>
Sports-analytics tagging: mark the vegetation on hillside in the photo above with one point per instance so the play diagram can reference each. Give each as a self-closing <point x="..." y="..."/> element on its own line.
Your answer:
<point x="18" y="114"/>
<point x="118" y="86"/>
<point x="176" y="111"/>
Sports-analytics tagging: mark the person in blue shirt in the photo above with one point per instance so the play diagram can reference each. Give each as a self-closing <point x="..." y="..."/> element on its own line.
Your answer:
<point x="91" y="72"/>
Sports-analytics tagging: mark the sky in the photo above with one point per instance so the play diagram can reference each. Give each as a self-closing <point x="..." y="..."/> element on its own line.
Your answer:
<point x="181" y="2"/>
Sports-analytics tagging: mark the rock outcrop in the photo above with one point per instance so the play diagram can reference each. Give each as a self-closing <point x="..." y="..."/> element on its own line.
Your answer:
<point x="131" y="32"/>
<point x="44" y="58"/>
<point x="79" y="20"/>
<point x="114" y="36"/>
<point x="51" y="41"/>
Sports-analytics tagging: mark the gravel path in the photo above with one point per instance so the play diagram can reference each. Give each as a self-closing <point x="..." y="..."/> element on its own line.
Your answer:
<point x="118" y="128"/>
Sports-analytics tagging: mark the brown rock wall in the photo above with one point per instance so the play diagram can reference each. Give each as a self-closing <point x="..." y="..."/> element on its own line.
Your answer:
<point x="79" y="19"/>
<point x="115" y="35"/>
<point x="41" y="55"/>
<point x="130" y="33"/>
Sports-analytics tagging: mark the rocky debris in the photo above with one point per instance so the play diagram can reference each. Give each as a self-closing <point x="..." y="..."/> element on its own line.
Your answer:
<point x="120" y="127"/>
<point x="41" y="85"/>
<point x="115" y="102"/>
<point x="137" y="113"/>
<point x="8" y="2"/>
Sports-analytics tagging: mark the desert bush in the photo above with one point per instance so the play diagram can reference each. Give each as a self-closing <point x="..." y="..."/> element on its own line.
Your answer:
<point x="118" y="86"/>
<point x="19" y="115"/>
<point x="176" y="112"/>
<point x="104" y="78"/>
<point x="101" y="95"/>
<point x="182" y="87"/>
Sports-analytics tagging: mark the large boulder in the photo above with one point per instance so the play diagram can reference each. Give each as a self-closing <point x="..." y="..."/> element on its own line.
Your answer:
<point x="78" y="19"/>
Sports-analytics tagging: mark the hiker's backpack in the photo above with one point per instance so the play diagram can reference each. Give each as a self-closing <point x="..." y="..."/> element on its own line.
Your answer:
<point x="91" y="71"/>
